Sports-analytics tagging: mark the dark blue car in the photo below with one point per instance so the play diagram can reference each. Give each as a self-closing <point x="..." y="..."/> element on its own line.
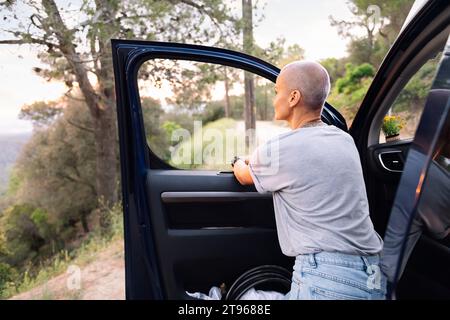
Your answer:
<point x="187" y="230"/>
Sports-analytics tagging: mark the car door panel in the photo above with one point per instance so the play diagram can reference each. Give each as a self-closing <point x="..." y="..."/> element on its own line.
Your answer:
<point x="423" y="278"/>
<point x="211" y="231"/>
<point x="384" y="178"/>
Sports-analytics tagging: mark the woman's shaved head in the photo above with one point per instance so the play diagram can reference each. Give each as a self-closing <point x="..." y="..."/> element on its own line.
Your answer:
<point x="311" y="79"/>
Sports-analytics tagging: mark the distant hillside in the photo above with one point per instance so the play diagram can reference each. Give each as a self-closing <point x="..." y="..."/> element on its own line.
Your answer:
<point x="10" y="146"/>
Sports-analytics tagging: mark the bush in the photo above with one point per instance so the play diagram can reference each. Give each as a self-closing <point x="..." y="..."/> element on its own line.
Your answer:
<point x="199" y="147"/>
<point x="27" y="234"/>
<point x="350" y="90"/>
<point x="353" y="77"/>
<point x="213" y="111"/>
<point x="56" y="170"/>
<point x="8" y="276"/>
<point x="169" y="127"/>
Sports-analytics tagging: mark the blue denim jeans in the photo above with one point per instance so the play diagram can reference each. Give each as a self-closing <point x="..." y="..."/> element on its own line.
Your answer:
<point x="337" y="276"/>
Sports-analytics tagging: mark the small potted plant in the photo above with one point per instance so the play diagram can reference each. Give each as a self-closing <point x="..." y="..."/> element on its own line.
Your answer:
<point x="391" y="127"/>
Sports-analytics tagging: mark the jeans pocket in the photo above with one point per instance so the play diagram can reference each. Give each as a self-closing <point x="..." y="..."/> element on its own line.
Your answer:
<point x="325" y="294"/>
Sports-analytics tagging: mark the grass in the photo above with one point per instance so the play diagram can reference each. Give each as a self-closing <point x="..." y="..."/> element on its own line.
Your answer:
<point x="199" y="152"/>
<point x="59" y="263"/>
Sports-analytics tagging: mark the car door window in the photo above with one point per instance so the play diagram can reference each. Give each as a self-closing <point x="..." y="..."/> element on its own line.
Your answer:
<point x="193" y="113"/>
<point x="402" y="118"/>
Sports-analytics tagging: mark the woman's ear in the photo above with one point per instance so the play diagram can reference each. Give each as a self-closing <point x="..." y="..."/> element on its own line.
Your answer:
<point x="294" y="98"/>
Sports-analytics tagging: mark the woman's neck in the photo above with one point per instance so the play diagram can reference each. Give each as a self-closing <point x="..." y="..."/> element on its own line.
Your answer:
<point x="301" y="121"/>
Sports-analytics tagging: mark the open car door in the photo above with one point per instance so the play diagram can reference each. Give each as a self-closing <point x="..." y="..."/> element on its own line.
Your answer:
<point x="418" y="232"/>
<point x="416" y="62"/>
<point x="187" y="230"/>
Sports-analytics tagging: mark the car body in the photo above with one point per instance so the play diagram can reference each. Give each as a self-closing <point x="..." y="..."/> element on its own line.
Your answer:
<point x="187" y="230"/>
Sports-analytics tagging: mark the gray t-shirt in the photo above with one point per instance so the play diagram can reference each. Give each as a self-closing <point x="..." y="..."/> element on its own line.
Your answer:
<point x="319" y="196"/>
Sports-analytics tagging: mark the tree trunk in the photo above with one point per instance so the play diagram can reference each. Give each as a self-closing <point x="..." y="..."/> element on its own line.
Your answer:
<point x="106" y="129"/>
<point x="105" y="134"/>
<point x="106" y="126"/>
<point x="249" y="107"/>
<point x="369" y="53"/>
<point x="101" y="105"/>
<point x="227" y="95"/>
<point x="106" y="163"/>
<point x="249" y="110"/>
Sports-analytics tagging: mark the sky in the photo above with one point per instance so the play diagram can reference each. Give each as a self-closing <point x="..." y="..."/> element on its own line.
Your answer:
<point x="303" y="22"/>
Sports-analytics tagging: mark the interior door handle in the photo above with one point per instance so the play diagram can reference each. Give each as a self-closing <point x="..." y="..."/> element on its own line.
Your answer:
<point x="224" y="172"/>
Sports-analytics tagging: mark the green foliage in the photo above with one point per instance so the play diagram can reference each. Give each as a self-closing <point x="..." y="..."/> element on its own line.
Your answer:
<point x="349" y="91"/>
<point x="278" y="54"/>
<point x="40" y="112"/>
<point x="48" y="267"/>
<point x="208" y="21"/>
<point x="152" y="114"/>
<point x="192" y="88"/>
<point x="72" y="50"/>
<point x="7" y="277"/>
<point x="292" y="53"/>
<point x="362" y="50"/>
<point x="353" y="77"/>
<point x="191" y="83"/>
<point x="361" y="71"/>
<point x="381" y="28"/>
<point x="335" y="68"/>
<point x="273" y="53"/>
<point x="161" y="124"/>
<point x="214" y="110"/>
<point x="365" y="53"/>
<point x="264" y="95"/>
<point x="237" y="107"/>
<point x="60" y="161"/>
<point x="169" y="127"/>
<point x="197" y="146"/>
<point x="27" y="234"/>
<point x="392" y="14"/>
<point x="51" y="193"/>
<point x="413" y="95"/>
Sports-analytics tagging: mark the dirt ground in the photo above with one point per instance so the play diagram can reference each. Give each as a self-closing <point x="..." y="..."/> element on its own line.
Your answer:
<point x="101" y="279"/>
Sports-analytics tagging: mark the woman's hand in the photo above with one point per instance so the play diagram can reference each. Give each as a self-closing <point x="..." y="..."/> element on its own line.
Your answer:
<point x="242" y="172"/>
